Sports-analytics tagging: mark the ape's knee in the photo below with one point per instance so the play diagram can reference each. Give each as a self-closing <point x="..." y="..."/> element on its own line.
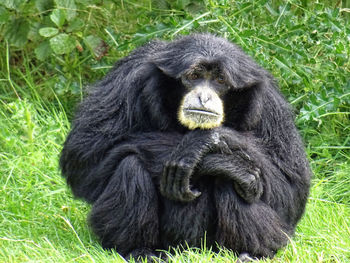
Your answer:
<point x="126" y="212"/>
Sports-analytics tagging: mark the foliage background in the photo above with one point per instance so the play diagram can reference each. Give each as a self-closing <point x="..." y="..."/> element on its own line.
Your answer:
<point x="51" y="49"/>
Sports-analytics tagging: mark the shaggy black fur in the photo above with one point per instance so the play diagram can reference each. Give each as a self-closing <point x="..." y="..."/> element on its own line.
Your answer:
<point x="127" y="154"/>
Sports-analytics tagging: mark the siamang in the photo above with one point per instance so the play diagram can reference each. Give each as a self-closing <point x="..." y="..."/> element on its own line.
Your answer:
<point x="187" y="141"/>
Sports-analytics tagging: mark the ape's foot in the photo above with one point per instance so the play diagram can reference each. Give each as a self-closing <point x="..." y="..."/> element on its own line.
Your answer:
<point x="141" y="254"/>
<point x="245" y="257"/>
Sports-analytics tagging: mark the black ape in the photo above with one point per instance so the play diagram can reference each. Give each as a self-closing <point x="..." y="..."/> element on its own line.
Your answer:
<point x="186" y="140"/>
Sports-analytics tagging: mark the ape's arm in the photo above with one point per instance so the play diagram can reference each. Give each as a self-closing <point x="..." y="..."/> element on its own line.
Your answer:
<point x="208" y="152"/>
<point x="89" y="164"/>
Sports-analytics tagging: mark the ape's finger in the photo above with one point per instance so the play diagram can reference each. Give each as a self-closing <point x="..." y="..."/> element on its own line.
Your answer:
<point x="186" y="193"/>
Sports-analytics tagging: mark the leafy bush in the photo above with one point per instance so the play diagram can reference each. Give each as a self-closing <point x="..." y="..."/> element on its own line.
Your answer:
<point x="54" y="24"/>
<point x="60" y="41"/>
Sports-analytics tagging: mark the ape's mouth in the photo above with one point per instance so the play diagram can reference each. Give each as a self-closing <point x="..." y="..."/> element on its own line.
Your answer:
<point x="202" y="118"/>
<point x="202" y="112"/>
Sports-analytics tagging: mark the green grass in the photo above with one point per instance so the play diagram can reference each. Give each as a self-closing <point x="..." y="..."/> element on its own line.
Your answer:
<point x="306" y="46"/>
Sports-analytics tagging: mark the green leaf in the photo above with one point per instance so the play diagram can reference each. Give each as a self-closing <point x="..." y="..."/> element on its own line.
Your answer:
<point x="69" y="6"/>
<point x="48" y="31"/>
<point x="17" y="32"/>
<point x="4" y="15"/>
<point x="75" y="25"/>
<point x="62" y="44"/>
<point x="92" y="41"/>
<point x="183" y="3"/>
<point x="96" y="45"/>
<point x="33" y="34"/>
<point x="43" y="51"/>
<point x="58" y="16"/>
<point x="44" y="5"/>
<point x="11" y="4"/>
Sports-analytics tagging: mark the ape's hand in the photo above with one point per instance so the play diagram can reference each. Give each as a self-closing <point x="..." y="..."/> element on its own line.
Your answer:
<point x="177" y="172"/>
<point x="175" y="181"/>
<point x="236" y="167"/>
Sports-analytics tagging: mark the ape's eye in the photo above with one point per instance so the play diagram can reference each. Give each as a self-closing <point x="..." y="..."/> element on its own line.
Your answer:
<point x="220" y="79"/>
<point x="193" y="76"/>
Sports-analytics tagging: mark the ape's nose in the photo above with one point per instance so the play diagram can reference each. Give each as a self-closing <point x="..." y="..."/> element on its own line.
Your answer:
<point x="204" y="97"/>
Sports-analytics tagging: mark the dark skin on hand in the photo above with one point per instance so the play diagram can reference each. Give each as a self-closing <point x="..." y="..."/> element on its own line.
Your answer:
<point x="187" y="141"/>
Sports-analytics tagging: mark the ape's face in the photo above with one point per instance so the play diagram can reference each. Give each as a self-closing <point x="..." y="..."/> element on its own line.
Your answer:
<point x="202" y="106"/>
